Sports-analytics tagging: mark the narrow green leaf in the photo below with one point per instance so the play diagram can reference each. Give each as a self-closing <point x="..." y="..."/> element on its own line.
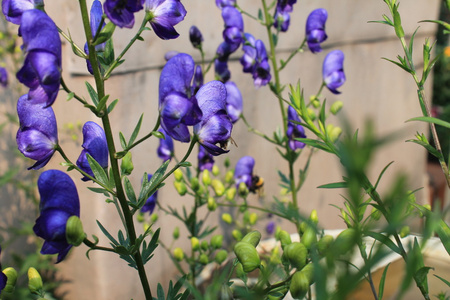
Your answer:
<point x="381" y="174"/>
<point x="105" y="34"/>
<point x="315" y="144"/>
<point x="406" y="68"/>
<point x="431" y="120"/>
<point x="334" y="185"/>
<point x="70" y="96"/>
<point x="443" y="280"/>
<point x="123" y="142"/>
<point x="129" y="190"/>
<point x="382" y="281"/>
<point x="136" y="130"/>
<point x="147" y="187"/>
<point x="106" y="233"/>
<point x="99" y="191"/>
<point x="427" y="146"/>
<point x="384" y="240"/>
<point x="92" y="93"/>
<point x="445" y="24"/>
<point x="99" y="172"/>
<point x="185" y="164"/>
<point x="102" y="103"/>
<point x="443" y="232"/>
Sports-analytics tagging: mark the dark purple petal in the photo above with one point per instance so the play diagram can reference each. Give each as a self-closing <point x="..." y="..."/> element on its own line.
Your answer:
<point x="205" y="160"/>
<point x="198" y="79"/>
<point x="166" y="14"/>
<point x="248" y="60"/>
<point x="196" y="37"/>
<point x="333" y="70"/>
<point x="95" y="20"/>
<point x="232" y="17"/>
<point x="211" y="98"/>
<point x="174" y="108"/>
<point x="13" y="9"/>
<point x="315" y="29"/>
<point x="223" y="3"/>
<point x="176" y="76"/>
<point x="243" y="172"/>
<point x="121" y="12"/>
<point x="261" y="74"/>
<point x="150" y="203"/>
<point x="221" y="70"/>
<point x="234" y="101"/>
<point x="3" y="278"/>
<point x="165" y="149"/>
<point x="282" y="20"/>
<point x="225" y="50"/>
<point x="3" y="77"/>
<point x="294" y="130"/>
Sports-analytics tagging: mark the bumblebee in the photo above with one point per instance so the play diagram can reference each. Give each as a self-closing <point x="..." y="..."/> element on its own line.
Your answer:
<point x="257" y="184"/>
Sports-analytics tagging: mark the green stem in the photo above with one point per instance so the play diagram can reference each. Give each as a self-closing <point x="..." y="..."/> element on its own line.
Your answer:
<point x="66" y="88"/>
<point x="95" y="247"/>
<point x="158" y="122"/>
<point x="257" y="132"/>
<point x="299" y="49"/>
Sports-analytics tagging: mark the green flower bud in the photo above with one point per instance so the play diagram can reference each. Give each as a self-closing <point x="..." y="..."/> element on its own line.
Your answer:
<point x="178" y="254"/>
<point x="308" y="270"/>
<point x="253" y="218"/>
<point x="296" y="254"/>
<point x="204" y="245"/>
<point x="230" y="193"/>
<point x="154" y="217"/>
<point x="315" y="102"/>
<point x="140" y="217"/>
<point x="313" y="217"/>
<point x="243" y="190"/>
<point x="221" y="256"/>
<point x="237" y="235"/>
<point x="126" y="166"/>
<point x="218" y="187"/>
<point x="215" y="170"/>
<point x="203" y="259"/>
<point x="229" y="176"/>
<point x="74" y="231"/>
<point x="252" y="238"/>
<point x="324" y="243"/>
<point x="216" y="241"/>
<point x="335" y="133"/>
<point x="35" y="284"/>
<point x="309" y="237"/>
<point x="227" y="218"/>
<point x="206" y="178"/>
<point x="404" y="232"/>
<point x="311" y="113"/>
<point x="180" y="187"/>
<point x="302" y="227"/>
<point x="284" y="238"/>
<point x="195" y="184"/>
<point x="336" y="107"/>
<point x="212" y="205"/>
<point x="195" y="243"/>
<point x="240" y="271"/>
<point x="11" y="274"/>
<point x="178" y="175"/>
<point x="299" y="285"/>
<point x="176" y="233"/>
<point x="345" y="241"/>
<point x="226" y="162"/>
<point x="247" y="255"/>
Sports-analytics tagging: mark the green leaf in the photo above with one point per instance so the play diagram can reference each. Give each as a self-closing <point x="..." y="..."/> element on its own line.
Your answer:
<point x="427" y="146"/>
<point x="445" y="24"/>
<point x="185" y="164"/>
<point x="158" y="134"/>
<point x="70" y="96"/>
<point x="102" y="103"/>
<point x="107" y="234"/>
<point x="129" y="190"/>
<point x="136" y="131"/>
<point x="99" y="172"/>
<point x="382" y="281"/>
<point x="397" y="22"/>
<point x="334" y="185"/>
<point x="92" y="93"/>
<point x="99" y="191"/>
<point x="381" y="174"/>
<point x="315" y="144"/>
<point x="105" y="34"/>
<point x="112" y="105"/>
<point x="431" y="120"/>
<point x="384" y="240"/>
<point x="123" y="142"/>
<point x="443" y="280"/>
<point x="153" y="184"/>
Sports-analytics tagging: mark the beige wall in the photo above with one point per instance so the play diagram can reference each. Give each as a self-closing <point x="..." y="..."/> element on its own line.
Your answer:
<point x="375" y="89"/>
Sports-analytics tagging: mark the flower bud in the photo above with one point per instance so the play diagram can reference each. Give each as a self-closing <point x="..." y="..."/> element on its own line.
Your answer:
<point x="302" y="227"/>
<point x="154" y="217"/>
<point x="216" y="241"/>
<point x="212" y="205"/>
<point x="252" y="238"/>
<point x="229" y="176"/>
<point x="299" y="285"/>
<point x="335" y="133"/>
<point x="176" y="233"/>
<point x="240" y="271"/>
<point x="314" y="101"/>
<point x="206" y="177"/>
<point x="203" y="259"/>
<point x="284" y="238"/>
<point x="11" y="274"/>
<point x="140" y="217"/>
<point x="404" y="232"/>
<point x="247" y="255"/>
<point x="311" y="113"/>
<point x="253" y="218"/>
<point x="243" y="190"/>
<point x="195" y="184"/>
<point x="74" y="231"/>
<point x="180" y="187"/>
<point x="336" y="107"/>
<point x="195" y="36"/>
<point x="237" y="235"/>
<point x="218" y="187"/>
<point x="35" y="284"/>
<point x="178" y="254"/>
<point x="324" y="243"/>
<point x="227" y="218"/>
<point x="309" y="237"/>
<point x="230" y="193"/>
<point x="313" y="217"/>
<point x="126" y="166"/>
<point x="296" y="254"/>
<point x="215" y="170"/>
<point x="204" y="245"/>
<point x="221" y="256"/>
<point x="345" y="241"/>
<point x="195" y="243"/>
<point x="178" y="175"/>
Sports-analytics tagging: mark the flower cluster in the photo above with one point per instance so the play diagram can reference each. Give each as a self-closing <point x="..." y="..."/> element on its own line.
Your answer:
<point x="255" y="60"/>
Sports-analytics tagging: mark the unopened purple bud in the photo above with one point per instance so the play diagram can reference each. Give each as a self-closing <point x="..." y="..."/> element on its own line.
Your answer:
<point x="270" y="227"/>
<point x="165" y="149"/>
<point x="150" y="203"/>
<point x="198" y="78"/>
<point x="221" y="70"/>
<point x="3" y="77"/>
<point x="196" y="37"/>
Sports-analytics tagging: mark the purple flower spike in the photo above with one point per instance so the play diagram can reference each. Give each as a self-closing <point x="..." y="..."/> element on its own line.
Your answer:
<point x="150" y="204"/>
<point x="196" y="37"/>
<point x="121" y="12"/>
<point x="3" y="77"/>
<point x="177" y="105"/>
<point x="315" y="29"/>
<point x="165" y="149"/>
<point x="234" y="25"/>
<point x="37" y="137"/>
<point x="224" y="3"/>
<point x="333" y="70"/>
<point x="215" y="127"/>
<point x="13" y="9"/>
<point x="294" y="130"/>
<point x="3" y="278"/>
<point x="234" y="101"/>
<point x="94" y="144"/>
<point x="41" y="71"/>
<point x="205" y="160"/>
<point x="59" y="201"/>
<point x="165" y="15"/>
<point x="243" y="172"/>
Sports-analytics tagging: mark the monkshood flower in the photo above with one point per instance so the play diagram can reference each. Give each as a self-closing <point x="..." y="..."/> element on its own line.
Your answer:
<point x="95" y="20"/>
<point x="59" y="201"/>
<point x="150" y="204"/>
<point x="121" y="12"/>
<point x="282" y="17"/>
<point x="248" y="59"/>
<point x="243" y="172"/>
<point x="165" y="149"/>
<point x="177" y="105"/>
<point x="221" y="70"/>
<point x="13" y="9"/>
<point x="225" y="49"/>
<point x="94" y="144"/>
<point x="196" y="37"/>
<point x="234" y="101"/>
<point x="255" y="61"/>
<point x="165" y="14"/>
<point x="315" y="29"/>
<point x="205" y="160"/>
<point x="294" y="130"/>
<point x="215" y="126"/>
<point x="223" y="3"/>
<point x="333" y="70"/>
<point x="234" y="25"/>
<point x="41" y="71"/>
<point x="3" y="77"/>
<point x="3" y="278"/>
<point x="37" y="137"/>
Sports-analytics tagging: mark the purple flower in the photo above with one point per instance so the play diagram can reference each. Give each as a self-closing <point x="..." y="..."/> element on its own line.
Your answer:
<point x="3" y="278"/>
<point x="224" y="51"/>
<point x="196" y="37"/>
<point x="165" y="14"/>
<point x="59" y="201"/>
<point x="3" y="77"/>
<point x="94" y="144"/>
<point x="121" y="12"/>
<point x="294" y="130"/>
<point x="95" y="20"/>
<point x="282" y="17"/>
<point x="205" y="160"/>
<point x="37" y="137"/>
<point x="255" y="61"/>
<point x="243" y="172"/>
<point x="150" y="204"/>
<point x="315" y="29"/>
<point x="177" y="105"/>
<point x="41" y="71"/>
<point x="224" y="3"/>
<point x="234" y="101"/>
<point x="198" y="79"/>
<point x="333" y="70"/>
<point x="221" y="70"/>
<point x="234" y="25"/>
<point x="215" y="126"/>
<point x="13" y="9"/>
<point x="165" y="149"/>
<point x="248" y="59"/>
<point x="270" y="227"/>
